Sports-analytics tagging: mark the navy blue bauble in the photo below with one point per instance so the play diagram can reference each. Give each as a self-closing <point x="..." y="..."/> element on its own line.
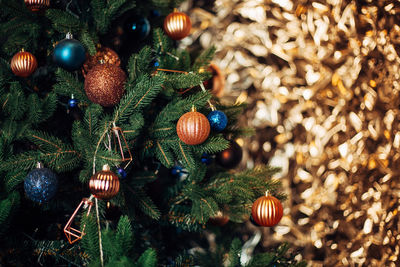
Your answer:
<point x="179" y="172"/>
<point x="137" y="27"/>
<point x="72" y="103"/>
<point x="41" y="185"/>
<point x="206" y="159"/>
<point x="121" y="172"/>
<point x="218" y="120"/>
<point x="69" y="54"/>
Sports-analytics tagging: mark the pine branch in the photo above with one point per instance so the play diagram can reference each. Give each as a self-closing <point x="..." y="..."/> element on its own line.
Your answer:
<point x="62" y="21"/>
<point x="147" y="259"/>
<point x="204" y="59"/>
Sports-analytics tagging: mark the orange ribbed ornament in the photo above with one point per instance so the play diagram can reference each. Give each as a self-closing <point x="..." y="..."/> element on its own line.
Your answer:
<point x="37" y="5"/>
<point x="193" y="128"/>
<point x="177" y="25"/>
<point x="104" y="184"/>
<point x="23" y="64"/>
<point x="267" y="210"/>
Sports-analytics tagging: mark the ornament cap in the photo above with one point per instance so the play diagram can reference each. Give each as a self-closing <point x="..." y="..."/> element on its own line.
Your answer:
<point x="267" y="193"/>
<point x="106" y="167"/>
<point x="39" y="165"/>
<point x="69" y="36"/>
<point x="193" y="109"/>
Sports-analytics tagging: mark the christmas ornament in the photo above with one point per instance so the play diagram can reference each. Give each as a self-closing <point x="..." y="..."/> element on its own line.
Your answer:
<point x="104" y="84"/>
<point x="253" y="222"/>
<point x="72" y="103"/>
<point x="193" y="128"/>
<point x="103" y="55"/>
<point x="230" y="157"/>
<point x="267" y="210"/>
<point x="69" y="53"/>
<point x="104" y="184"/>
<point x="71" y="233"/>
<point x="136" y="27"/>
<point x="218" y="120"/>
<point x="37" y="5"/>
<point x="122" y="173"/>
<point x="217" y="81"/>
<point x="206" y="159"/>
<point x="179" y="172"/>
<point x="120" y="145"/>
<point x="177" y="25"/>
<point x="23" y="64"/>
<point x="41" y="184"/>
<point x="219" y="219"/>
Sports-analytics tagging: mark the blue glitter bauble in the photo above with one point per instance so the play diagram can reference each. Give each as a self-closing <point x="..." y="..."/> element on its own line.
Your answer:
<point x="156" y="64"/>
<point x="122" y="173"/>
<point x="218" y="120"/>
<point x="41" y="185"/>
<point x="69" y="54"/>
<point x="206" y="159"/>
<point x="179" y="172"/>
<point x="137" y="27"/>
<point x="72" y="103"/>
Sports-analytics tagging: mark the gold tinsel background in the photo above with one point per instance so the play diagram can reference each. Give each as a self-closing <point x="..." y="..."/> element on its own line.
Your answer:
<point x="322" y="82"/>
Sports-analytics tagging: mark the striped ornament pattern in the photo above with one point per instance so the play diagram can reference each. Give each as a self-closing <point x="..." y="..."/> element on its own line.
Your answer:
<point x="37" y="5"/>
<point x="104" y="184"/>
<point x="23" y="64"/>
<point x="193" y="128"/>
<point x="177" y="25"/>
<point x="267" y="211"/>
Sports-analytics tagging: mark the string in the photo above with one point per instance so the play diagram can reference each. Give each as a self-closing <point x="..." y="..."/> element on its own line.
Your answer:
<point x="99" y="231"/>
<point x="208" y="101"/>
<point x="179" y="71"/>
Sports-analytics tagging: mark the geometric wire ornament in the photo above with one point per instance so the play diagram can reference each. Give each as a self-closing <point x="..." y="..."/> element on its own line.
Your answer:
<point x="121" y="145"/>
<point x="73" y="234"/>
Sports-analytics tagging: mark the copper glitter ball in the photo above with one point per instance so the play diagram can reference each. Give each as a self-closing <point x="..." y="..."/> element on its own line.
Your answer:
<point x="193" y="128"/>
<point x="177" y="25"/>
<point x="103" y="54"/>
<point x="37" y="5"/>
<point x="267" y="210"/>
<point x="23" y="64"/>
<point x="104" y="184"/>
<point x="104" y="84"/>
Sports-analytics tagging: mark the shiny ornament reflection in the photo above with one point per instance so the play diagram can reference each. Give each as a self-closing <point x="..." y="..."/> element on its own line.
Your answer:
<point x="69" y="54"/>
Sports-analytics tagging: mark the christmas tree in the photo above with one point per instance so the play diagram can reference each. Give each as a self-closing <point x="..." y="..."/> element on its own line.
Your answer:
<point x="126" y="134"/>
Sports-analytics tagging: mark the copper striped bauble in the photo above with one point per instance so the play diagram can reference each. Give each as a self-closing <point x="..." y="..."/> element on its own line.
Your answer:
<point x="267" y="210"/>
<point x="104" y="184"/>
<point x="23" y="64"/>
<point x="37" y="5"/>
<point x="193" y="128"/>
<point x="177" y="25"/>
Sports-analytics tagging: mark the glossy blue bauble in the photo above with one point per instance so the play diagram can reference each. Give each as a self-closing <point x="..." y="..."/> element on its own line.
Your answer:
<point x="122" y="173"/>
<point x="218" y="120"/>
<point x="41" y="185"/>
<point x="72" y="103"/>
<point x="137" y="27"/>
<point x="69" y="54"/>
<point x="206" y="159"/>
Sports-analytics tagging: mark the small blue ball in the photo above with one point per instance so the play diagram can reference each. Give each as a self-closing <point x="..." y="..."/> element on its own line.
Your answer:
<point x="69" y="54"/>
<point x="137" y="27"/>
<point x="155" y="13"/>
<point x="179" y="172"/>
<point x="122" y="172"/>
<point x="206" y="159"/>
<point x="72" y="103"/>
<point x="41" y="185"/>
<point x="218" y="120"/>
<point x="156" y="64"/>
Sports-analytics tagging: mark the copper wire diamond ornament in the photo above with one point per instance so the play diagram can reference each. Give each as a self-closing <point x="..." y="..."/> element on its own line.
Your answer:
<point x="120" y="144"/>
<point x="73" y="234"/>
